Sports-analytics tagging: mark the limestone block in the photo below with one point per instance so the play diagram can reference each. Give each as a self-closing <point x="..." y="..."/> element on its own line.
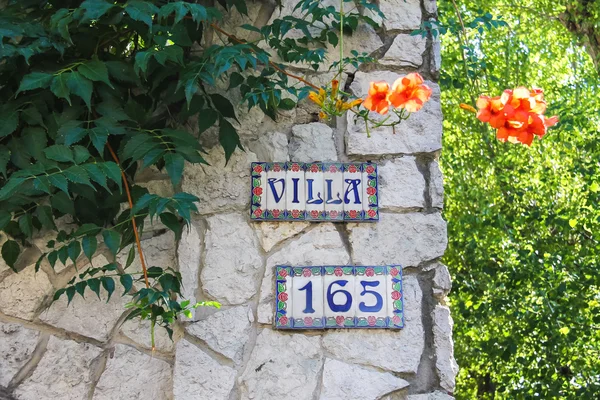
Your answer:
<point x="139" y="331"/>
<point x="436" y="185"/>
<point x="320" y="246"/>
<point x="220" y="187"/>
<point x="158" y="250"/>
<point x="437" y="395"/>
<point x="430" y="6"/>
<point x="343" y="381"/>
<point x="436" y="62"/>
<point x="312" y="142"/>
<point x="406" y="239"/>
<point x="401" y="184"/>
<point x="92" y="317"/>
<point x="401" y="14"/>
<point x="442" y="282"/>
<point x="420" y="133"/>
<point x="271" y="233"/>
<point x="16" y="347"/>
<point x="232" y="262"/>
<point x="405" y="51"/>
<point x="63" y="373"/>
<point x="22" y="293"/>
<point x="198" y="377"/>
<point x="226" y="331"/>
<point x="189" y="263"/>
<point x="272" y="147"/>
<point x="281" y="367"/>
<point x="398" y="351"/>
<point x="122" y="380"/>
<point x="445" y="364"/>
<point x="364" y="40"/>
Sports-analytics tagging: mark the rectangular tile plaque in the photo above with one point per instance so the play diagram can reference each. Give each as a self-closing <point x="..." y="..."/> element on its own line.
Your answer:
<point x="316" y="191"/>
<point x="338" y="296"/>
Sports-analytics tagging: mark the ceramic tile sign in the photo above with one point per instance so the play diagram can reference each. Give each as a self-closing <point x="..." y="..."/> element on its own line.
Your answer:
<point x="317" y="191"/>
<point x="338" y="297"/>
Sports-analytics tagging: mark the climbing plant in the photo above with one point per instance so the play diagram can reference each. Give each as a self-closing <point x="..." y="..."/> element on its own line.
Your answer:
<point x="94" y="91"/>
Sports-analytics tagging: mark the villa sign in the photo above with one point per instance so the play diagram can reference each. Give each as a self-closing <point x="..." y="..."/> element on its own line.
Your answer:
<point x="317" y="191"/>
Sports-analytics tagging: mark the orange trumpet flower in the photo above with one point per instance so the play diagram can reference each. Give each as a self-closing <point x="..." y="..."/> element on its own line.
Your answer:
<point x="410" y="93"/>
<point x="377" y="100"/>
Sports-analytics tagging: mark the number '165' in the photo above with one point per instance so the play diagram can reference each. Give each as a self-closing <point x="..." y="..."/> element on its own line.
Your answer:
<point x="337" y="287"/>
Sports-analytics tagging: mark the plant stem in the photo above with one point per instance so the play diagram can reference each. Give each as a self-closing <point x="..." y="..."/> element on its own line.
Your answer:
<point x="129" y="199"/>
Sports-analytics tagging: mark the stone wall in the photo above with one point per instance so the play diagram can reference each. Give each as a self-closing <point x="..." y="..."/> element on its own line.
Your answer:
<point x="87" y="351"/>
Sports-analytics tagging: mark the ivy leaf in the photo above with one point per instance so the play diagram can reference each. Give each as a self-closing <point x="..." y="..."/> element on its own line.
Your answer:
<point x="174" y="163"/>
<point x="10" y="253"/>
<point x="141" y="11"/>
<point x="95" y="9"/>
<point x="35" y="80"/>
<point x="59" y="153"/>
<point x="89" y="245"/>
<point x="95" y="70"/>
<point x="127" y="282"/>
<point x="60" y="87"/>
<point x="82" y="87"/>
<point x="228" y="137"/>
<point x="108" y="284"/>
<point x="112" y="240"/>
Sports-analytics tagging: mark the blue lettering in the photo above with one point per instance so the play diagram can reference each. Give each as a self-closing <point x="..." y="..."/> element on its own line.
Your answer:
<point x="272" y="182"/>
<point x="295" y="181"/>
<point x="330" y="200"/>
<point x="378" y="299"/>
<point x="309" y="308"/>
<point x="352" y="186"/>
<point x="339" y="307"/>
<point x="310" y="199"/>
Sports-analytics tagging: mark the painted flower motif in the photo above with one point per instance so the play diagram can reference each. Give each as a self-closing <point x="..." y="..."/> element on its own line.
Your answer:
<point x="396" y="320"/>
<point x="369" y="272"/>
<point x="338" y="271"/>
<point x="370" y="169"/>
<point x="295" y="167"/>
<point x="394" y="271"/>
<point x="314" y="214"/>
<point x="395" y="295"/>
<point x="333" y="169"/>
<point x="308" y="321"/>
<point x="276" y="213"/>
<point x="352" y="169"/>
<point x="306" y="272"/>
<point x="295" y="213"/>
<point x="353" y="214"/>
<point x="276" y="168"/>
<point x="283" y="320"/>
<point x="410" y="93"/>
<point x="371" y="190"/>
<point x="314" y="168"/>
<point x="377" y="99"/>
<point x="340" y="320"/>
<point x="282" y="273"/>
<point x="333" y="214"/>
<point x="257" y="191"/>
<point x="258" y="169"/>
<point x="372" y="213"/>
<point x="282" y="296"/>
<point x="258" y="213"/>
<point x="371" y="320"/>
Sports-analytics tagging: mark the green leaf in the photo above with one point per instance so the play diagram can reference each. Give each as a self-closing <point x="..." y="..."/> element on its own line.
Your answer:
<point x="59" y="153"/>
<point x="97" y="175"/>
<point x="174" y="163"/>
<point x="81" y="87"/>
<point x="94" y="285"/>
<point x="99" y="137"/>
<point x="172" y="222"/>
<point x="5" y="218"/>
<point x="9" y="120"/>
<point x="141" y="11"/>
<point x="60" y="182"/>
<point x="10" y="187"/>
<point x="112" y="240"/>
<point x="35" y="80"/>
<point x="4" y="158"/>
<point x="223" y="105"/>
<point x="80" y="154"/>
<point x="142" y="59"/>
<point x="52" y="257"/>
<point x="26" y="224"/>
<point x="89" y="245"/>
<point x="70" y="291"/>
<point x="127" y="283"/>
<point x="74" y="250"/>
<point x="95" y="9"/>
<point x="113" y="172"/>
<point x="206" y="119"/>
<point x="61" y="202"/>
<point x="10" y="253"/>
<point x="60" y="87"/>
<point x="95" y="70"/>
<point x="130" y="257"/>
<point x="228" y="137"/>
<point x="44" y="214"/>
<point x="109" y="285"/>
<point x="80" y="288"/>
<point x="235" y="80"/>
<point x="287" y="104"/>
<point x="58" y="293"/>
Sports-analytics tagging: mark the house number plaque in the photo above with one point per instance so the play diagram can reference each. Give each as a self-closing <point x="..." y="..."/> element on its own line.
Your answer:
<point x="318" y="191"/>
<point x="338" y="297"/>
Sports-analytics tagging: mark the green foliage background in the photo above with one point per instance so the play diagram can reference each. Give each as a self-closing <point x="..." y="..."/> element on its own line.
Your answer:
<point x="524" y="222"/>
